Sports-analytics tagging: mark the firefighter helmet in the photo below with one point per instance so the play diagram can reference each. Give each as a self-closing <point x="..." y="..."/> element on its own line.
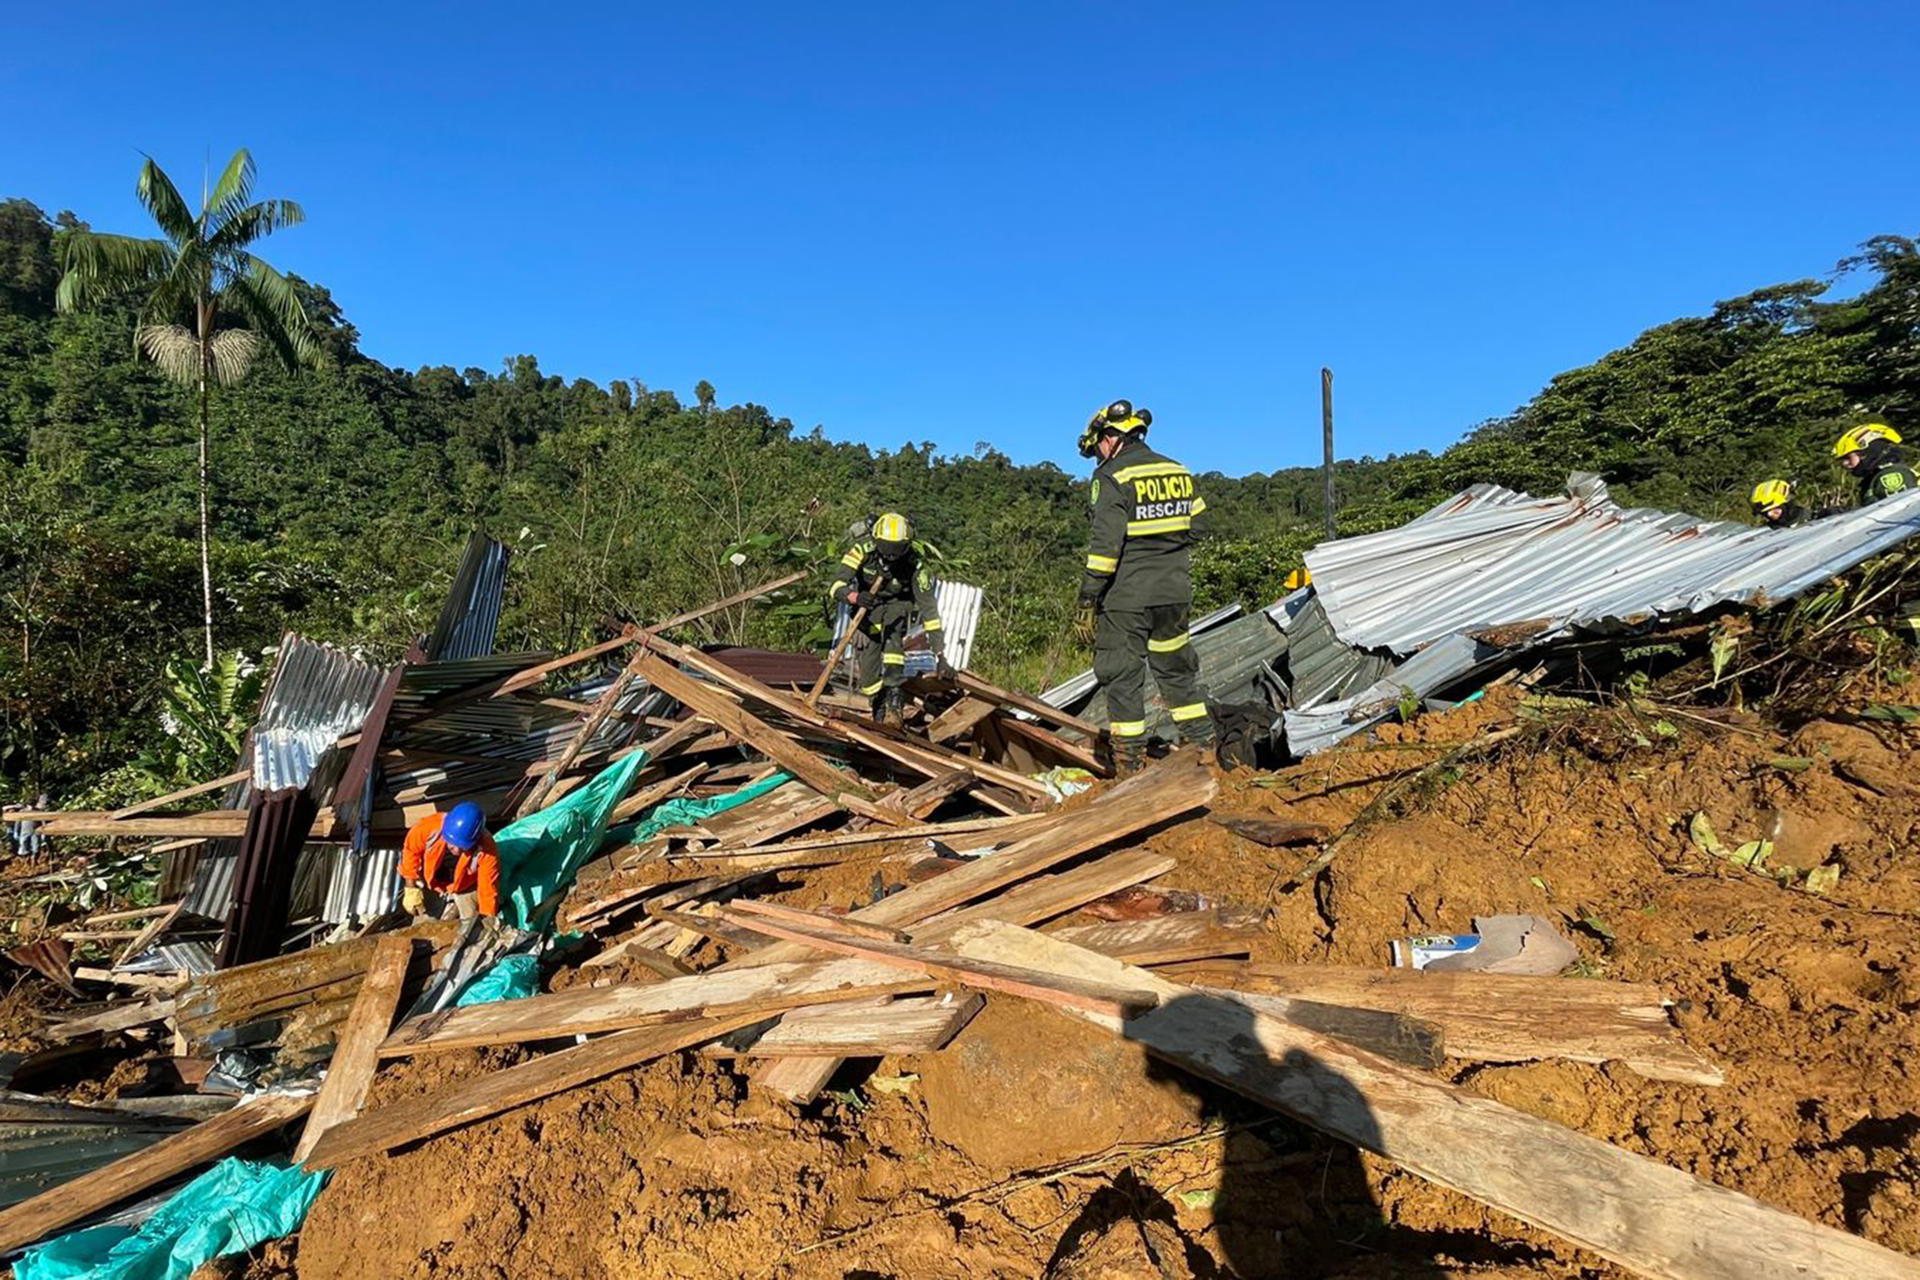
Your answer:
<point x="1121" y="417"/>
<point x="1771" y="493"/>
<point x="1862" y="436"/>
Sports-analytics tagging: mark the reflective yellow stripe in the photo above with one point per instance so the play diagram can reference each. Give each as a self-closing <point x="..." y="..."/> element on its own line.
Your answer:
<point x="875" y="687"/>
<point x="852" y="559"/>
<point x="1147" y="470"/>
<point x="1102" y="564"/>
<point x="1168" y="524"/>
<point x="933" y="624"/>
<point x="1199" y="504"/>
<point x="1192" y="711"/>
<point x="894" y="659"/>
<point x="1174" y="645"/>
<point x="1128" y="728"/>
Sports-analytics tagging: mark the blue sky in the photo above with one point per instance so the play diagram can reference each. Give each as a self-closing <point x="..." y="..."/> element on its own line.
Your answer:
<point x="977" y="223"/>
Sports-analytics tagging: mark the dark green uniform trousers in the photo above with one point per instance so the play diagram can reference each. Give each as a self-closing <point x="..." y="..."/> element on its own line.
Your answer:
<point x="880" y="647"/>
<point x="1128" y="641"/>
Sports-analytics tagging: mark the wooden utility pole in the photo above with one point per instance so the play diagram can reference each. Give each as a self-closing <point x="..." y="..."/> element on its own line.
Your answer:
<point x="1326" y="436"/>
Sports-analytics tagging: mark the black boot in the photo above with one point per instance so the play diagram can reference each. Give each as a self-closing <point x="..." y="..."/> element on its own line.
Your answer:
<point x="895" y="711"/>
<point x="1129" y="756"/>
<point x="879" y="704"/>
<point x="1199" y="733"/>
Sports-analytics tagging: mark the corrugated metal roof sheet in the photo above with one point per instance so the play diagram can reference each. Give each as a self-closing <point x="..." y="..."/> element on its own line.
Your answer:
<point x="470" y="617"/>
<point x="960" y="605"/>
<point x="1489" y="556"/>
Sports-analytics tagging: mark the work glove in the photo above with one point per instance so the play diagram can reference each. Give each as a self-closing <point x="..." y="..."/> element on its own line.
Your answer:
<point x="1083" y="623"/>
<point x="853" y="599"/>
<point x="941" y="667"/>
<point x="413" y="900"/>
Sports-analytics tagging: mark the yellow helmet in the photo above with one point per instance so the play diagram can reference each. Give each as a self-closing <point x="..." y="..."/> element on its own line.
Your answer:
<point x="1772" y="493"/>
<point x="1119" y="416"/>
<point x="892" y="534"/>
<point x="1299" y="578"/>
<point x="1862" y="436"/>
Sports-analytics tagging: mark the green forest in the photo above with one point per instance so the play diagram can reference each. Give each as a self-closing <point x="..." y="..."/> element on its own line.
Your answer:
<point x="342" y="491"/>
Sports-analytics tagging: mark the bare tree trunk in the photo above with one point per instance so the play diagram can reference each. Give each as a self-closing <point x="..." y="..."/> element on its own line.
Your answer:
<point x="206" y="558"/>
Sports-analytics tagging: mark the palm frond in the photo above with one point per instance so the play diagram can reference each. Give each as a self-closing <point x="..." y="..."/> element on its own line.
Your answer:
<point x="162" y="199"/>
<point x="173" y="349"/>
<point x="97" y="268"/>
<point x="255" y="222"/>
<point x="233" y="192"/>
<point x="273" y="305"/>
<point x="232" y="352"/>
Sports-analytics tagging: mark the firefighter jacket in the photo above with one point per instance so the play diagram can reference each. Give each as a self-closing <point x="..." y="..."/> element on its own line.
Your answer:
<point x="431" y="861"/>
<point x="1143" y="509"/>
<point x="1883" y="472"/>
<point x="882" y="582"/>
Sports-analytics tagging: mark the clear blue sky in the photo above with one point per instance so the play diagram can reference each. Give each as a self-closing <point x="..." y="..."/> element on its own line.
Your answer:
<point x="979" y="222"/>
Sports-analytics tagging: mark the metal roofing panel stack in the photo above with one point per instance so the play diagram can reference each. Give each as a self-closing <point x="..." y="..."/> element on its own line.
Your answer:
<point x="470" y="618"/>
<point x="1075" y="689"/>
<point x="1489" y="557"/>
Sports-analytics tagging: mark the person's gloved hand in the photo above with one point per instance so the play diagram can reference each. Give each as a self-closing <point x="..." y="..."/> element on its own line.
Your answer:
<point x="853" y="599"/>
<point x="943" y="668"/>
<point x="413" y="900"/>
<point x="1083" y="623"/>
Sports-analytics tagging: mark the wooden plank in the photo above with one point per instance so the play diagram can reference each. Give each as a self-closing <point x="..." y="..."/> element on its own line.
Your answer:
<point x="135" y="913"/>
<point x="1646" y="1216"/>
<point x="155" y="927"/>
<point x="121" y="1019"/>
<point x="819" y="920"/>
<point x="534" y="675"/>
<point x="603" y="707"/>
<point x="647" y="797"/>
<point x="748" y="728"/>
<point x="717" y="606"/>
<point x="1114" y="999"/>
<point x="700" y="926"/>
<point x="831" y="845"/>
<point x="919" y="802"/>
<point x="958" y="719"/>
<point x="762" y="991"/>
<point x="125" y="1178"/>
<point x="489" y="1095"/>
<point x="1399" y="1037"/>
<point x="1047" y="896"/>
<point x="1185" y="935"/>
<point x="862" y="1029"/>
<point x="1491" y="1017"/>
<point x="1149" y="797"/>
<point x="1052" y="744"/>
<point x="979" y="688"/>
<point x="185" y="793"/>
<point x="350" y="1075"/>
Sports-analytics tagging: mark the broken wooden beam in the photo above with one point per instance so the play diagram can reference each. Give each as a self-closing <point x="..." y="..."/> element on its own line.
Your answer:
<point x="61" y="1206"/>
<point x="762" y="991"/>
<point x="350" y="1074"/>
<point x="1645" y="1216"/>
<point x="875" y="1028"/>
<point x="385" y="1128"/>
<point x="1114" y="999"/>
<point x="1490" y="1017"/>
<point x="1272" y="832"/>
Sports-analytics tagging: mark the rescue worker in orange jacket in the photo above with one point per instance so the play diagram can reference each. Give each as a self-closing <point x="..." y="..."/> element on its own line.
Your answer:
<point x="452" y="855"/>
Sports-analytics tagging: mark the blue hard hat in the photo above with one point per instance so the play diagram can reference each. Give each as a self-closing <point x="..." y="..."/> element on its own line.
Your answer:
<point x="464" y="825"/>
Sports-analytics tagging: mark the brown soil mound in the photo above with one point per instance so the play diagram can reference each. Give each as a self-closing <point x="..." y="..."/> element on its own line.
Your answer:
<point x="675" y="1170"/>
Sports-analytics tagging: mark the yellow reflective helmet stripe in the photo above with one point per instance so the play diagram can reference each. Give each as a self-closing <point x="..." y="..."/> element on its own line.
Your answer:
<point x="892" y="527"/>
<point x="1102" y="564"/>
<point x="1192" y="711"/>
<point x="1174" y="645"/>
<point x="1127" y="728"/>
<point x="1166" y="524"/>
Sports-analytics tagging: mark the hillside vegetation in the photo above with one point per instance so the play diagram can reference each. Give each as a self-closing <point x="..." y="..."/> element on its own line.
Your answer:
<point x="342" y="494"/>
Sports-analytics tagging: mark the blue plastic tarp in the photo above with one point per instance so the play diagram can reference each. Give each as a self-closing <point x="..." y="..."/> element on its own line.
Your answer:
<point x="230" y="1208"/>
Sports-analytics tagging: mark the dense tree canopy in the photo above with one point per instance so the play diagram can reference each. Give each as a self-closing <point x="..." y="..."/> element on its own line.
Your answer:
<point x="342" y="493"/>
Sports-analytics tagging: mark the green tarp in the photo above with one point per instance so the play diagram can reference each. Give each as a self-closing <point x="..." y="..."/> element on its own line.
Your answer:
<point x="230" y="1208"/>
<point x="540" y="853"/>
<point x="671" y="813"/>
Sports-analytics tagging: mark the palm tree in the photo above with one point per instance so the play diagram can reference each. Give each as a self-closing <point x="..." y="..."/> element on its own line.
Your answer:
<point x="203" y="273"/>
